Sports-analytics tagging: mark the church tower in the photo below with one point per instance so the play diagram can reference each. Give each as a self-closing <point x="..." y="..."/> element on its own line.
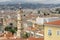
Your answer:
<point x="19" y="20"/>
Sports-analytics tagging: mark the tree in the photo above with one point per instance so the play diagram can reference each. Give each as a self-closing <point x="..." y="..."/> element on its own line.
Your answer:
<point x="11" y="29"/>
<point x="38" y="12"/>
<point x="58" y="10"/>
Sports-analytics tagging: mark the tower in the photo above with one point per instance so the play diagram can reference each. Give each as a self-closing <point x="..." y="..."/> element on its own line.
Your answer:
<point x="19" y="20"/>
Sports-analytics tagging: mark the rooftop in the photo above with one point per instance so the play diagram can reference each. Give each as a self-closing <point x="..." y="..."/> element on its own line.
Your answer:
<point x="54" y="22"/>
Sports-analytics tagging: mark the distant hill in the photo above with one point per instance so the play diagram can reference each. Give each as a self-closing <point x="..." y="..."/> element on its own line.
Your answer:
<point x="28" y="5"/>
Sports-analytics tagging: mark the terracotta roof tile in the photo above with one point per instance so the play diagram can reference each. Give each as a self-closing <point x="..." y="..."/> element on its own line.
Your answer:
<point x="32" y="38"/>
<point x="54" y="22"/>
<point x="42" y="32"/>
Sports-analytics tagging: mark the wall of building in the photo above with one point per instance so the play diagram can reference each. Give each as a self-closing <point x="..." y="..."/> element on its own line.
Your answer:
<point x="54" y="35"/>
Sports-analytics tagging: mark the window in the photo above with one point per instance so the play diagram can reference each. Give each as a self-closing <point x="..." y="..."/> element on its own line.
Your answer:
<point x="58" y="32"/>
<point x="49" y="32"/>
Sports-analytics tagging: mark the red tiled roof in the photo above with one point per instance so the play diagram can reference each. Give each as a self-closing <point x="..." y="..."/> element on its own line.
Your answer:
<point x="32" y="38"/>
<point x="41" y="32"/>
<point x="54" y="22"/>
<point x="32" y="28"/>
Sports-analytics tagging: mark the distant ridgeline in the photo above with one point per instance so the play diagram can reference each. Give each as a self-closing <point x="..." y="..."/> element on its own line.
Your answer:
<point x="27" y="5"/>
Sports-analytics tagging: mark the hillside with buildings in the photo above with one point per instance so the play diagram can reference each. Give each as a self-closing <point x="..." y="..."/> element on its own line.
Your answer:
<point x="31" y="21"/>
<point x="21" y="20"/>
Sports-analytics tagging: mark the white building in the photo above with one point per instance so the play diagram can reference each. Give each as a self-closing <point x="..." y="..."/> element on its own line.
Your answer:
<point x="40" y="20"/>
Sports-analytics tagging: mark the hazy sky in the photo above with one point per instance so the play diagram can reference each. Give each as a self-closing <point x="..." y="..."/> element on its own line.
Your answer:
<point x="4" y="0"/>
<point x="38" y="1"/>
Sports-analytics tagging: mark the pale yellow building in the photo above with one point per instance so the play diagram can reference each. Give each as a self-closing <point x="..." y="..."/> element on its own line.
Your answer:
<point x="52" y="30"/>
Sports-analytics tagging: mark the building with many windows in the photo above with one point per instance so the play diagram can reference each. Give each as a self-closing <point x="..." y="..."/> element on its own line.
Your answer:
<point x="52" y="30"/>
